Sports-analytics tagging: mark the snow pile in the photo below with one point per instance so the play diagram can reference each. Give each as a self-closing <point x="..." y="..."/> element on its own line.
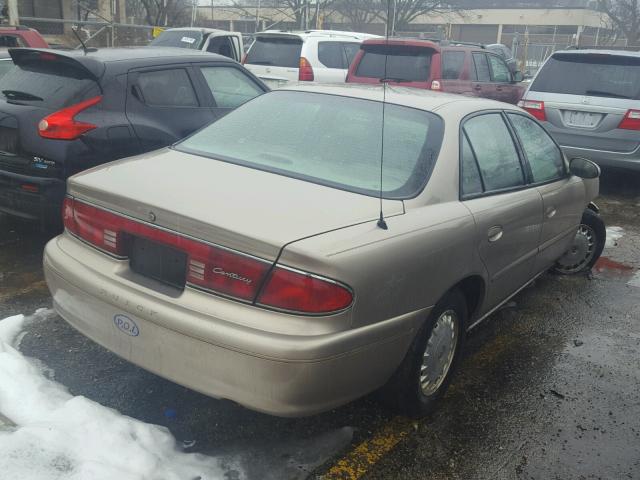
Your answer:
<point x="613" y="235"/>
<point x="62" y="437"/>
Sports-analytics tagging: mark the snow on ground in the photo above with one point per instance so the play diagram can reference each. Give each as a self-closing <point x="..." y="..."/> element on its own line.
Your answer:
<point x="613" y="235"/>
<point x="64" y="437"/>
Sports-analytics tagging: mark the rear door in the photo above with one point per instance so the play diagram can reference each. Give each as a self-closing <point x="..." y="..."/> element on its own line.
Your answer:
<point x="454" y="76"/>
<point x="275" y="58"/>
<point x="164" y="106"/>
<point x="481" y="83"/>
<point x="586" y="97"/>
<point x="507" y="211"/>
<point x="228" y="44"/>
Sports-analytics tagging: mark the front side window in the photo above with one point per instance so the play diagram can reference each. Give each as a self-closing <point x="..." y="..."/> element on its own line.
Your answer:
<point x="230" y="86"/>
<point x="167" y="88"/>
<point x="481" y="67"/>
<point x="495" y="152"/>
<point x="499" y="70"/>
<point x="452" y="63"/>
<point x="331" y="54"/>
<point x="275" y="51"/>
<point x="327" y="139"/>
<point x="543" y="155"/>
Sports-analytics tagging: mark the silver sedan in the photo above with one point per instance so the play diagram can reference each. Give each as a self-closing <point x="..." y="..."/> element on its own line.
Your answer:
<point x="291" y="259"/>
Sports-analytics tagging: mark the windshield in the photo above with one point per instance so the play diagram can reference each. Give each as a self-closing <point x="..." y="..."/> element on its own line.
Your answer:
<point x="598" y="75"/>
<point x="179" y="38"/>
<point x="403" y="63"/>
<point x="327" y="139"/>
<point x="275" y="51"/>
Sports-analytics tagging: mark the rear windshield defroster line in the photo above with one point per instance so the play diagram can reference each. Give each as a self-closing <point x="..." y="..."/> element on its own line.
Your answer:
<point x="327" y="139"/>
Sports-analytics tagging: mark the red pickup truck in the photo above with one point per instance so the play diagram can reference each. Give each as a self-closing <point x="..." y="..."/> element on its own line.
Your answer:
<point x="21" y="37"/>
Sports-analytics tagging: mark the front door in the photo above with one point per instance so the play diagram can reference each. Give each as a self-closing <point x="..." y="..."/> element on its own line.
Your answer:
<point x="563" y="195"/>
<point x="508" y="212"/>
<point x="481" y="85"/>
<point x="506" y="90"/>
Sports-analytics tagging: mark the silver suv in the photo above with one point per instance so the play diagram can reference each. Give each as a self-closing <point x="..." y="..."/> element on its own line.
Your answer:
<point x="589" y="100"/>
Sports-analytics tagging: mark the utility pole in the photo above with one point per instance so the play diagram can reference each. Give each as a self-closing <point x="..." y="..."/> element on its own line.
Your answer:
<point x="12" y="10"/>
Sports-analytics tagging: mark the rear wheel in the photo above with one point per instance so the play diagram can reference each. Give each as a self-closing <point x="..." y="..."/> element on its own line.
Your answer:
<point x="586" y="247"/>
<point x="425" y="373"/>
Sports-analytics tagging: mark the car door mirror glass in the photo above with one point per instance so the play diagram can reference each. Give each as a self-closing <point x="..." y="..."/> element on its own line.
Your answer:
<point x="518" y="76"/>
<point x="584" y="168"/>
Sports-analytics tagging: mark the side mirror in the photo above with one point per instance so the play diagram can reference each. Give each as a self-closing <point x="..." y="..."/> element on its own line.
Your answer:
<point x="517" y="76"/>
<point x="584" y="168"/>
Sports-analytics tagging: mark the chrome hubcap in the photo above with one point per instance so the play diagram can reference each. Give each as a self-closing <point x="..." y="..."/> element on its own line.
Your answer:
<point x="439" y="353"/>
<point x="581" y="251"/>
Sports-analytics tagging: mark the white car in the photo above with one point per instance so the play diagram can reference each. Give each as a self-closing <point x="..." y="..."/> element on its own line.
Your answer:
<point x="280" y="57"/>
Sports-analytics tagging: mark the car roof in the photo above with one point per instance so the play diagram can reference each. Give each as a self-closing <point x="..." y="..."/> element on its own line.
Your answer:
<point x="621" y="53"/>
<point x="317" y="33"/>
<point x="421" y="99"/>
<point x="424" y="42"/>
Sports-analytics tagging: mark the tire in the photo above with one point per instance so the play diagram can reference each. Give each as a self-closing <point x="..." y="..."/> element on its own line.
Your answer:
<point x="404" y="391"/>
<point x="586" y="248"/>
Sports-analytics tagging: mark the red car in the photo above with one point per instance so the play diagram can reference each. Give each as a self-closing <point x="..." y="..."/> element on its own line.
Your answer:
<point x="21" y="37"/>
<point x="449" y="67"/>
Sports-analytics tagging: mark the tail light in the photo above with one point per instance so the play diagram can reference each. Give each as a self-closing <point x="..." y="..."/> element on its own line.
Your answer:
<point x="212" y="267"/>
<point x="305" y="72"/>
<point x="298" y="291"/>
<point x="62" y="124"/>
<point x="534" y="107"/>
<point x="436" y="85"/>
<point x="631" y="120"/>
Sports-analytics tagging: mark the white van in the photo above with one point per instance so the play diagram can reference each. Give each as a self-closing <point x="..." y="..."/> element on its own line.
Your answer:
<point x="209" y="40"/>
<point x="280" y="57"/>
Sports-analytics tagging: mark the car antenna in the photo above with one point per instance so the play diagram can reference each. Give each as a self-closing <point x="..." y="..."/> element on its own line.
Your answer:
<point x="381" y="221"/>
<point x="74" y="29"/>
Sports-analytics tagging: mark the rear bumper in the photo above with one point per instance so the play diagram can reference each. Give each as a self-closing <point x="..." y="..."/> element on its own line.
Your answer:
<point x="277" y="373"/>
<point x="630" y="160"/>
<point x="43" y="205"/>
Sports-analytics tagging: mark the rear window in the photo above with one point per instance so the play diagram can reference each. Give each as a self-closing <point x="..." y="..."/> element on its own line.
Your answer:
<point x="403" y="63"/>
<point x="275" y="51"/>
<point x="178" y="38"/>
<point x="49" y="84"/>
<point x="594" y="75"/>
<point x="327" y="139"/>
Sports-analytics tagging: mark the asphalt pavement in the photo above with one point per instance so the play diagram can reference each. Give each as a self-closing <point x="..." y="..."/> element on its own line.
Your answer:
<point x="549" y="387"/>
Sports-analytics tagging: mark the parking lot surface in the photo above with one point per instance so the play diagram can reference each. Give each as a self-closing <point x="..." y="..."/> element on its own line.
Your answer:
<point x="548" y="387"/>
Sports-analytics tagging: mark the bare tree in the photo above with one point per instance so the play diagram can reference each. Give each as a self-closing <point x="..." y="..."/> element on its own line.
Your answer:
<point x="624" y="17"/>
<point x="358" y="13"/>
<point x="162" y="12"/>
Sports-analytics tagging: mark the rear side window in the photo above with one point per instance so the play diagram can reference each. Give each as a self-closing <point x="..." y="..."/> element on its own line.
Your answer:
<point x="331" y="54"/>
<point x="167" y="88"/>
<point x="542" y="153"/>
<point x="49" y="83"/>
<point x="481" y="67"/>
<point x="230" y="87"/>
<point x="275" y="51"/>
<point x="404" y="63"/>
<point x="494" y="151"/>
<point x="597" y="75"/>
<point x="452" y="63"/>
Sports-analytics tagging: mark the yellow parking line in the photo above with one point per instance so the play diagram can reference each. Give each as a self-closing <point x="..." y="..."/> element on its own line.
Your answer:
<point x="359" y="460"/>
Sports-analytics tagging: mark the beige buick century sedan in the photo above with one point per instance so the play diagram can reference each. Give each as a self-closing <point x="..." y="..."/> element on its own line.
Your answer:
<point x="249" y="261"/>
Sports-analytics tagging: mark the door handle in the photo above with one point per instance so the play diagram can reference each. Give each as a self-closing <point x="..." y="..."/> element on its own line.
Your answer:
<point x="499" y="88"/>
<point x="495" y="233"/>
<point x="550" y="213"/>
<point x="477" y="87"/>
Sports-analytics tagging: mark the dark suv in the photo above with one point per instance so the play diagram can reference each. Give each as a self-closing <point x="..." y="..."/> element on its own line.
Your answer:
<point x="454" y="68"/>
<point x="62" y="112"/>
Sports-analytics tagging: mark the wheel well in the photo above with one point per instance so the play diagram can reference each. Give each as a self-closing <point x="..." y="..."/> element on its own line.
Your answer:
<point x="593" y="207"/>
<point x="473" y="290"/>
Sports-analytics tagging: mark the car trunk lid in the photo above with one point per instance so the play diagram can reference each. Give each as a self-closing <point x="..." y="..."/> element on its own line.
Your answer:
<point x="241" y="208"/>
<point x="275" y="58"/>
<point x="587" y="95"/>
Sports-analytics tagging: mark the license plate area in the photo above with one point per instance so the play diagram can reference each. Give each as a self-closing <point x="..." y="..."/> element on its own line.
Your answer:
<point x="159" y="262"/>
<point x="576" y="118"/>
